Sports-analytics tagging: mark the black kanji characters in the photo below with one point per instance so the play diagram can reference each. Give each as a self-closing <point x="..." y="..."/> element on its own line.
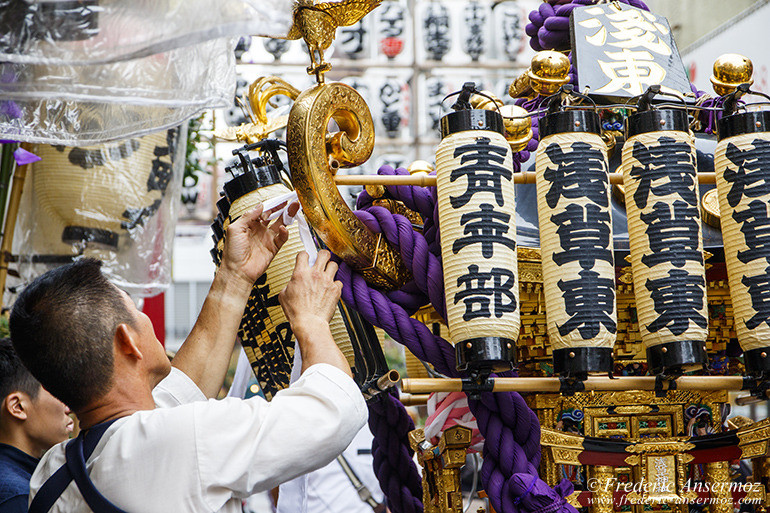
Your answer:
<point x="485" y="294"/>
<point x="485" y="227"/>
<point x="590" y="303"/>
<point x="482" y="166"/>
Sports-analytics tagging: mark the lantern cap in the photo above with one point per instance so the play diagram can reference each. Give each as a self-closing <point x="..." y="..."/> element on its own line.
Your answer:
<point x="743" y="123"/>
<point x="472" y="119"/>
<point x="216" y="227"/>
<point x="657" y="120"/>
<point x="674" y="358"/>
<point x="577" y="362"/>
<point x="570" y="121"/>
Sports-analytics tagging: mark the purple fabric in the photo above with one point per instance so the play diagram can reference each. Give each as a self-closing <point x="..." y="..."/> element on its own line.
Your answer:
<point x="23" y="157"/>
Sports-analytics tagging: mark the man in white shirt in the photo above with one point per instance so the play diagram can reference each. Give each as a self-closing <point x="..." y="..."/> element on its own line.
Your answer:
<point x="86" y="342"/>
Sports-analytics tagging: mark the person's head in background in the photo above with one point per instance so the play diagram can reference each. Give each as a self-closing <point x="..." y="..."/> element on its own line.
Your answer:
<point x="31" y="419"/>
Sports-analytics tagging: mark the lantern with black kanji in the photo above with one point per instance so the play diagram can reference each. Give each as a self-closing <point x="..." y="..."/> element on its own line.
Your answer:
<point x="664" y="231"/>
<point x="265" y="333"/>
<point x="573" y="198"/>
<point x="474" y="173"/>
<point x="742" y="165"/>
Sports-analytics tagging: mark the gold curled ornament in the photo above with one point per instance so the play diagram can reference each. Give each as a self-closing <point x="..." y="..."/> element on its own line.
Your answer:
<point x="731" y="70"/>
<point x="261" y="91"/>
<point x="314" y="157"/>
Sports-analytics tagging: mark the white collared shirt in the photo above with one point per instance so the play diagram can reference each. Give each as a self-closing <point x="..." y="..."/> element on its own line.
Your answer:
<point x="197" y="455"/>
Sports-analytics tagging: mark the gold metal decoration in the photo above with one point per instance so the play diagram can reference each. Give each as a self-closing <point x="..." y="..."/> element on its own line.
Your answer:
<point x="317" y="22"/>
<point x="548" y="72"/>
<point x="730" y="71"/>
<point x="441" y="468"/>
<point x="261" y="91"/>
<point x="315" y="155"/>
<point x="517" y="121"/>
<point x="421" y="166"/>
<point x="710" y="209"/>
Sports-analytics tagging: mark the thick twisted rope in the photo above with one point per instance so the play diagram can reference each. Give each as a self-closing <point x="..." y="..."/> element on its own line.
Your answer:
<point x="549" y="24"/>
<point x="392" y="455"/>
<point x="510" y="427"/>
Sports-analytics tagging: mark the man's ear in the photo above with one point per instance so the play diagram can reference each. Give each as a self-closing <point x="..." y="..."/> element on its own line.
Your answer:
<point x="126" y="341"/>
<point x="15" y="404"/>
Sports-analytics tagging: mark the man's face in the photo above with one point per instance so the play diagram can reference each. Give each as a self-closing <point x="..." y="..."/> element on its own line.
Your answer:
<point x="151" y="348"/>
<point x="48" y="421"/>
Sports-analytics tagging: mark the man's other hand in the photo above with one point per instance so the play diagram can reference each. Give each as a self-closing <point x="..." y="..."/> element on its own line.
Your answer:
<point x="251" y="244"/>
<point x="311" y="295"/>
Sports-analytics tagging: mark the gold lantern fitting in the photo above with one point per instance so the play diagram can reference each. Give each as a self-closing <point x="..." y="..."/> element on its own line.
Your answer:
<point x="548" y="71"/>
<point x="517" y="121"/>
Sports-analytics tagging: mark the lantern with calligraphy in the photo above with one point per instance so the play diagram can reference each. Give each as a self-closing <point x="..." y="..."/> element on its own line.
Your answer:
<point x="664" y="230"/>
<point x="265" y="333"/>
<point x="742" y="165"/>
<point x="573" y="198"/>
<point x="474" y="173"/>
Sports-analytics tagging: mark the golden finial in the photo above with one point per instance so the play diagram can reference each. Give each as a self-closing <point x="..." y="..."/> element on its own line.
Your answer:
<point x="485" y="100"/>
<point x="420" y="166"/>
<point x="317" y="22"/>
<point x="518" y="126"/>
<point x="730" y="71"/>
<point x="548" y="72"/>
<point x="260" y="93"/>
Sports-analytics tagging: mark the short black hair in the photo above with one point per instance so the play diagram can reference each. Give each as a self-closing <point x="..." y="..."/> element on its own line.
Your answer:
<point x="62" y="327"/>
<point x="14" y="376"/>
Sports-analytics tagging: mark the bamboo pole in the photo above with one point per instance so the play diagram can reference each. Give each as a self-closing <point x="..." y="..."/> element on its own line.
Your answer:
<point x="7" y="163"/>
<point x="424" y="180"/>
<point x="704" y="383"/>
<point x="413" y="399"/>
<point x="17" y="187"/>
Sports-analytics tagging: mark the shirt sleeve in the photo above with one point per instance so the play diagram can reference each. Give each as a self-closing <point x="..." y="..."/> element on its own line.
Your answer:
<point x="248" y="446"/>
<point x="176" y="389"/>
<point x="17" y="504"/>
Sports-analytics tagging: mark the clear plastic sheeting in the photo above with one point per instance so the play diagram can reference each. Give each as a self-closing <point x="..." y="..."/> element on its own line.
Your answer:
<point x="89" y="32"/>
<point x="85" y="105"/>
<point x="116" y="202"/>
<point x="84" y="72"/>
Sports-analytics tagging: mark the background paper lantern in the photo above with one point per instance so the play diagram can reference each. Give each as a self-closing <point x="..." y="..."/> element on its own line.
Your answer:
<point x="477" y="215"/>
<point x="742" y="165"/>
<point x="436" y="35"/>
<point x="664" y="229"/>
<point x="573" y="198"/>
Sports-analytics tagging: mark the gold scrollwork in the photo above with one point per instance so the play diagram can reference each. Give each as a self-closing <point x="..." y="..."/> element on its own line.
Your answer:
<point x="313" y="162"/>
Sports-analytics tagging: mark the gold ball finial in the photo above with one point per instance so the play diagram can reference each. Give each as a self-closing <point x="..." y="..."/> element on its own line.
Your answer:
<point x="420" y="166"/>
<point x="730" y="71"/>
<point x="518" y="126"/>
<point x="486" y="100"/>
<point x="548" y="72"/>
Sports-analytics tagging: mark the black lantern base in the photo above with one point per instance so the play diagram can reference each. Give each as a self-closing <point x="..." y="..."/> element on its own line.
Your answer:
<point x="486" y="354"/>
<point x="676" y="357"/>
<point x="577" y="362"/>
<point x="757" y="361"/>
<point x="78" y="234"/>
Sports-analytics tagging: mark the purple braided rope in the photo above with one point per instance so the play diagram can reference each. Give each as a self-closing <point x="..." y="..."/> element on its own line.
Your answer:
<point x="393" y="463"/>
<point x="511" y="429"/>
<point x="549" y="27"/>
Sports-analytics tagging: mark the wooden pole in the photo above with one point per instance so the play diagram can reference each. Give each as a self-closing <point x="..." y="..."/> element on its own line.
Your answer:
<point x="17" y="187"/>
<point x="424" y="180"/>
<point x="705" y="383"/>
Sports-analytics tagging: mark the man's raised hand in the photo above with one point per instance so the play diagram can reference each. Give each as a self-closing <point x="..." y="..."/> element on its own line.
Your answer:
<point x="251" y="242"/>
